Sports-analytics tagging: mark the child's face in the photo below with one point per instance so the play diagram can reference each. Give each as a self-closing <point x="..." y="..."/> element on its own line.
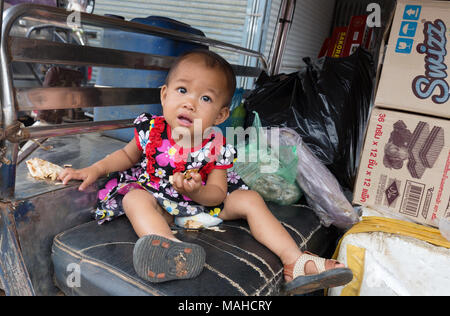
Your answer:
<point x="194" y="98"/>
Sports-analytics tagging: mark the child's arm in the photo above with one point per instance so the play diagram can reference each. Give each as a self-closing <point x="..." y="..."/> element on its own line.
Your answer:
<point x="211" y="194"/>
<point x="119" y="160"/>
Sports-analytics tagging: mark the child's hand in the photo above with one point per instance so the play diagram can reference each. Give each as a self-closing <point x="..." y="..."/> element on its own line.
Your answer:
<point x="187" y="187"/>
<point x="88" y="175"/>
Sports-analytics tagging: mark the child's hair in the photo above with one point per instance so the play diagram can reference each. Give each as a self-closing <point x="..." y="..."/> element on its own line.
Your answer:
<point x="212" y="60"/>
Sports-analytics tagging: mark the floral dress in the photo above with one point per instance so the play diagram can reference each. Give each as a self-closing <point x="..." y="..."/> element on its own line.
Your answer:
<point x="161" y="158"/>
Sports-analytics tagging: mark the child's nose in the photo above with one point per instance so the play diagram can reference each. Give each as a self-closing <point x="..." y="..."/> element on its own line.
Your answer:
<point x="189" y="105"/>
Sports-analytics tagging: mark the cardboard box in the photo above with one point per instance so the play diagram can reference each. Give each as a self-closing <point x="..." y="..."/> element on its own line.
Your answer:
<point x="358" y="34"/>
<point x="405" y="165"/>
<point x="337" y="42"/>
<point x="415" y="75"/>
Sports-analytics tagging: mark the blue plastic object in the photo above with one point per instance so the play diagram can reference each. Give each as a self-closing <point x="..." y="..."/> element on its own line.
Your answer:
<point x="132" y="78"/>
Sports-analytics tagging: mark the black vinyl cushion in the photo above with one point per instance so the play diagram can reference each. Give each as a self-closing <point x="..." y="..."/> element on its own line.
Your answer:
<point x="97" y="260"/>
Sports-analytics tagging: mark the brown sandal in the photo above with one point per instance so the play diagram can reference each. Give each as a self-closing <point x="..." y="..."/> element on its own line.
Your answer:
<point x="302" y="283"/>
<point x="158" y="259"/>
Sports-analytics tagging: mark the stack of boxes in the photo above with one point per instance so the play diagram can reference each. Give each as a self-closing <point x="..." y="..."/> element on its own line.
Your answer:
<point x="345" y="40"/>
<point x="405" y="163"/>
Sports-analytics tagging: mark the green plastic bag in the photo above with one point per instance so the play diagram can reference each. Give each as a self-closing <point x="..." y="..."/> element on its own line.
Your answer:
<point x="269" y="171"/>
<point x="237" y="112"/>
<point x="238" y="116"/>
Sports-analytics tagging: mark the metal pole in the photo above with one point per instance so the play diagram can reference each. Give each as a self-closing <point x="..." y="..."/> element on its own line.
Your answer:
<point x="8" y="151"/>
<point x="13" y="271"/>
<point x="75" y="128"/>
<point x="285" y="21"/>
<point x="1" y="94"/>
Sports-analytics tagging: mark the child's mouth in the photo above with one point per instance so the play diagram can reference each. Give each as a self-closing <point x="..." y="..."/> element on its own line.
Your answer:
<point x="184" y="120"/>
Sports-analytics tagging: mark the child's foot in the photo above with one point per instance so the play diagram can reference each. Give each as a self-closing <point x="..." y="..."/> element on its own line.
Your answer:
<point x="158" y="259"/>
<point x="310" y="273"/>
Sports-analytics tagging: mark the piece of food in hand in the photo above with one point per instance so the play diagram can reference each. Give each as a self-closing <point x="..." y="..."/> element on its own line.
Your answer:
<point x="42" y="169"/>
<point x="187" y="175"/>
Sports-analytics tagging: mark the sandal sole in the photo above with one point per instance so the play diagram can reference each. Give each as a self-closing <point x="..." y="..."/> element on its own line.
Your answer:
<point x="158" y="259"/>
<point x="324" y="280"/>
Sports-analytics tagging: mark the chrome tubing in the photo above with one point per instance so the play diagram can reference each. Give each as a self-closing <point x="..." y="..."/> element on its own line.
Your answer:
<point x="52" y="14"/>
<point x="75" y="128"/>
<point x="44" y="12"/>
<point x="285" y="22"/>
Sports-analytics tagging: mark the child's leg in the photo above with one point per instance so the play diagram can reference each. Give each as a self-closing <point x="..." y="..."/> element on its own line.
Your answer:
<point x="158" y="256"/>
<point x="146" y="216"/>
<point x="266" y="228"/>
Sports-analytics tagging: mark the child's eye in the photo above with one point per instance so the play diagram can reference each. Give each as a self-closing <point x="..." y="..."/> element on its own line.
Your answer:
<point x="181" y="90"/>
<point x="206" y="98"/>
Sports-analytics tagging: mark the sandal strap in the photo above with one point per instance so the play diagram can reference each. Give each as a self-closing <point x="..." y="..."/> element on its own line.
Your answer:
<point x="297" y="268"/>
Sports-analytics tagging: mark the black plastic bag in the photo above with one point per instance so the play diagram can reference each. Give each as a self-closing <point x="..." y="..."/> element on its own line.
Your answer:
<point x="327" y="105"/>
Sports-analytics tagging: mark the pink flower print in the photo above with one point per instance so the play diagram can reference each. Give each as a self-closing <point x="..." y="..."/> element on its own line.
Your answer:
<point x="191" y="210"/>
<point x="103" y="193"/>
<point x="132" y="175"/>
<point x="141" y="118"/>
<point x="183" y="204"/>
<point x="172" y="192"/>
<point x="158" y="195"/>
<point x="233" y="177"/>
<point x="127" y="187"/>
<point x="167" y="154"/>
<point x="160" y="173"/>
<point x="136" y="172"/>
<point x="186" y="198"/>
<point x="152" y="184"/>
<point x="111" y="204"/>
<point x="195" y="165"/>
<point x="144" y="164"/>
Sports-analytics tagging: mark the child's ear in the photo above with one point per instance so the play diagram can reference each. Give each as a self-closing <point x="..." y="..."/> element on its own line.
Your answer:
<point x="223" y="115"/>
<point x="163" y="94"/>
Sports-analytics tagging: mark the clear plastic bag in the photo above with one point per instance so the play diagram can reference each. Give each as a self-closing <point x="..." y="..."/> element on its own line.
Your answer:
<point x="322" y="191"/>
<point x="266" y="171"/>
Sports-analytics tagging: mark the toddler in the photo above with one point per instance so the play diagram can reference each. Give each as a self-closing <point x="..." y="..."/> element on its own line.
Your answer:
<point x="148" y="181"/>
